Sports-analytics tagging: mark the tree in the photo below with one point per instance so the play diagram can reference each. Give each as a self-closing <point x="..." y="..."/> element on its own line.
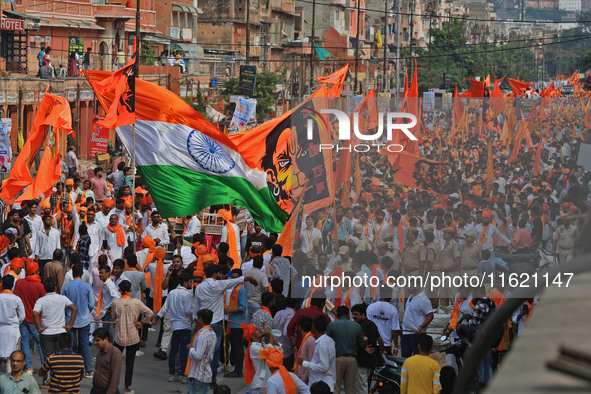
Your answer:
<point x="265" y="93"/>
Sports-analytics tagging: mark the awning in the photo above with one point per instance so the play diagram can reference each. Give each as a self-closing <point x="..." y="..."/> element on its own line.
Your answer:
<point x="192" y="51"/>
<point x="74" y="24"/>
<point x="20" y="14"/>
<point x="158" y="39"/>
<point x="187" y="8"/>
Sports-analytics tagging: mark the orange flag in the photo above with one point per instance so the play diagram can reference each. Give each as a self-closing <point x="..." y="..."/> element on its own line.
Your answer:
<point x="414" y="171"/>
<point x="518" y="86"/>
<point x="497" y="100"/>
<point x="575" y="134"/>
<point x="410" y="104"/>
<point x="368" y="113"/>
<point x="476" y="91"/>
<point x="337" y="80"/>
<point x="53" y="111"/>
<point x="538" y="160"/>
<point x="357" y="179"/>
<point x="122" y="83"/>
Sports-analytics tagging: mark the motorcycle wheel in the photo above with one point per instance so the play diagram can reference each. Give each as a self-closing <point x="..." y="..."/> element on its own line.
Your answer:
<point x="386" y="388"/>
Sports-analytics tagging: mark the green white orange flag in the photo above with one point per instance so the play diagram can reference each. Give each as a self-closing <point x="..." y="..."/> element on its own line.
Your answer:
<point x="186" y="162"/>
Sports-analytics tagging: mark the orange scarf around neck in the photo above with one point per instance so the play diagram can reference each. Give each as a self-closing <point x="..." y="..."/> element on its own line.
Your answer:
<point x="158" y="278"/>
<point x="120" y="234"/>
<point x="188" y="367"/>
<point x="308" y="334"/>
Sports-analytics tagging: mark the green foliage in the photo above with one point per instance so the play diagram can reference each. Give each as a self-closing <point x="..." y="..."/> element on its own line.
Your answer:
<point x="265" y="93"/>
<point x="148" y="54"/>
<point x="450" y="51"/>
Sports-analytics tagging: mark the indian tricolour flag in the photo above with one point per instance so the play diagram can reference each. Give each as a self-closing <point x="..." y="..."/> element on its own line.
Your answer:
<point x="186" y="162"/>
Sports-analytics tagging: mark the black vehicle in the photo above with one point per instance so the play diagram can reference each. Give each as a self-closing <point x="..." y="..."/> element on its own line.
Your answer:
<point x="387" y="376"/>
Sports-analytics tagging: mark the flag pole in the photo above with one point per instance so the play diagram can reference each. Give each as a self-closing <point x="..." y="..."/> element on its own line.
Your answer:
<point x="133" y="165"/>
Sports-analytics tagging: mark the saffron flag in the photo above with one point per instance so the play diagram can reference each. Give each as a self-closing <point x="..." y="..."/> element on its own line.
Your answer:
<point x="410" y="104"/>
<point x="497" y="101"/>
<point x="271" y="146"/>
<point x="186" y="162"/>
<point x="336" y="79"/>
<point x="518" y="86"/>
<point x="53" y="114"/>
<point x="458" y="109"/>
<point x="476" y="91"/>
<point x="122" y="109"/>
<point x="414" y="171"/>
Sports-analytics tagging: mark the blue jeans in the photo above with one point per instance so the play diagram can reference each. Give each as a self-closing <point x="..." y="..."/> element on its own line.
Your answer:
<point x="197" y="387"/>
<point x="180" y="339"/>
<point x="218" y="329"/>
<point x="252" y="308"/>
<point x="409" y="345"/>
<point x="71" y="172"/>
<point x="255" y="391"/>
<point x="485" y="369"/>
<point x="80" y="344"/>
<point x="28" y="329"/>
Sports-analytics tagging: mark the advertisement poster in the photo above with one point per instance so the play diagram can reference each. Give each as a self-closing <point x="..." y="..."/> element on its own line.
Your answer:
<point x="99" y="138"/>
<point x="245" y="110"/>
<point x="447" y="101"/>
<point x="76" y="43"/>
<point x="5" y="148"/>
<point x="429" y="101"/>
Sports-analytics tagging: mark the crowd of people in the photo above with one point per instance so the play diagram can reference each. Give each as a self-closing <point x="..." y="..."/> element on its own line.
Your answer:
<point x="95" y="262"/>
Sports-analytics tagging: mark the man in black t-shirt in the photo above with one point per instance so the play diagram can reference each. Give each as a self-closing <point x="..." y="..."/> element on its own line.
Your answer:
<point x="256" y="239"/>
<point x="367" y="358"/>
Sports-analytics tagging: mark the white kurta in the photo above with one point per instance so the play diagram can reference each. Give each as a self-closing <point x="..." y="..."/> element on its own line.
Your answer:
<point x="12" y="314"/>
<point x="111" y="238"/>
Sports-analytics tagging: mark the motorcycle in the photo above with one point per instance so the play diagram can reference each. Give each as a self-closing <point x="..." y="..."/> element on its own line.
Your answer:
<point x="387" y="376"/>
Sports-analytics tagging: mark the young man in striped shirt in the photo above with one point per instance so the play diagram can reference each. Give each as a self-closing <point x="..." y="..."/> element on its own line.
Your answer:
<point x="65" y="367"/>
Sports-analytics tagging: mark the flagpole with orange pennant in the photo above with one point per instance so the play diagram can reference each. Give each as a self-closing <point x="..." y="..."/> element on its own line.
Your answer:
<point x="136" y="69"/>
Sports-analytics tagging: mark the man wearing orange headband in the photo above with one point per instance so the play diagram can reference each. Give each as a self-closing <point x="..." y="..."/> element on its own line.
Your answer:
<point x="104" y="215"/>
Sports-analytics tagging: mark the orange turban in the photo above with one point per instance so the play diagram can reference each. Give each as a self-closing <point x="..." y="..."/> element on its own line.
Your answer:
<point x="32" y="267"/>
<point x="17" y="262"/>
<point x="487" y="213"/>
<point x="108" y="203"/>
<point x="69" y="182"/>
<point x="148" y="242"/>
<point x="128" y="204"/>
<point x="83" y="209"/>
<point x="247" y="330"/>
<point x="198" y="273"/>
<point x="45" y="205"/>
<point x="274" y="358"/>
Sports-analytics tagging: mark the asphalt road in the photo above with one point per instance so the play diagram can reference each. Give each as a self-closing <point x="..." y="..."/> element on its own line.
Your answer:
<point x="150" y="374"/>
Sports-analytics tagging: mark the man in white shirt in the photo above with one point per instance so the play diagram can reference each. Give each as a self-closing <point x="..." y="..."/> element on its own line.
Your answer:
<point x="323" y="364"/>
<point x="103" y="216"/>
<point x="35" y="224"/>
<point x="157" y="230"/>
<point x="12" y="314"/>
<point x="49" y="314"/>
<point x="178" y="304"/>
<point x="76" y="258"/>
<point x="71" y="161"/>
<point x="385" y="317"/>
<point x="115" y="243"/>
<point x="210" y="295"/>
<point x="165" y="333"/>
<point x="418" y="313"/>
<point x="192" y="227"/>
<point x="95" y="232"/>
<point x="489" y="232"/>
<point x="308" y="234"/>
<point x="262" y="373"/>
<point x="108" y="293"/>
<point x="48" y="240"/>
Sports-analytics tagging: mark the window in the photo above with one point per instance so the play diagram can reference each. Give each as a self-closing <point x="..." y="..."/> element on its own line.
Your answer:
<point x="175" y="18"/>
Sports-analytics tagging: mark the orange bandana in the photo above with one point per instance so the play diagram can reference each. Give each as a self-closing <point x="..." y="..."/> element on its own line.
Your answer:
<point x="274" y="358"/>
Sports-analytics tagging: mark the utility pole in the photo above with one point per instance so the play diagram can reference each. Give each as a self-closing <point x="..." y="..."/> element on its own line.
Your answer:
<point x="313" y="44"/>
<point x="357" y="47"/>
<point x="138" y="37"/>
<point x="247" y="31"/>
<point x="412" y="25"/>
<point x="398" y="23"/>
<point x="385" y="42"/>
<point x="448" y="39"/>
<point x="430" y="44"/>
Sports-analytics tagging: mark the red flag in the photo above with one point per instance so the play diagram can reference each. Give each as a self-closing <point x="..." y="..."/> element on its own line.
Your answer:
<point x="518" y="86"/>
<point x="414" y="171"/>
<point x="53" y="111"/>
<point x="410" y="104"/>
<point x="337" y="80"/>
<point x="538" y="159"/>
<point x="496" y="99"/>
<point x="477" y="89"/>
<point x="122" y="83"/>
